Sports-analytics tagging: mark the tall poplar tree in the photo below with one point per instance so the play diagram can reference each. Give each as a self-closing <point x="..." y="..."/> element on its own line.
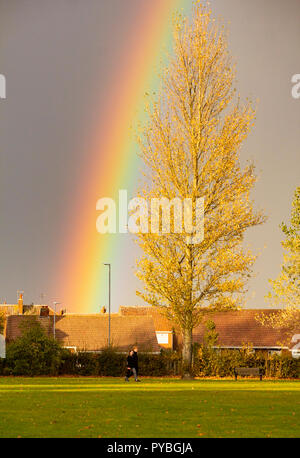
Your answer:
<point x="190" y="146"/>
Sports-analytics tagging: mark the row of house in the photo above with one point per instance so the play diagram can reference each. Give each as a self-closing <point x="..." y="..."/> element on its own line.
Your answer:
<point x="145" y="327"/>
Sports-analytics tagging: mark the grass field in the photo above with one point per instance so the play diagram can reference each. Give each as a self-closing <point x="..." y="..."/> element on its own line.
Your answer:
<point x="171" y="408"/>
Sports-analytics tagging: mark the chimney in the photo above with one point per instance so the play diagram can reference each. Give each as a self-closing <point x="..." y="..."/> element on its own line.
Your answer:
<point x="20" y="303"/>
<point x="44" y="310"/>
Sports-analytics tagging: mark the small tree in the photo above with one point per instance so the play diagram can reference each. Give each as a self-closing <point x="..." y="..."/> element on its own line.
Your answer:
<point x="286" y="288"/>
<point x="190" y="147"/>
<point x="211" y="336"/>
<point x="206" y="355"/>
<point x="33" y="353"/>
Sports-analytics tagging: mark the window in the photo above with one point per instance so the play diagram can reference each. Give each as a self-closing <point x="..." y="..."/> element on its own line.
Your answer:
<point x="162" y="337"/>
<point x="72" y="349"/>
<point x="274" y="352"/>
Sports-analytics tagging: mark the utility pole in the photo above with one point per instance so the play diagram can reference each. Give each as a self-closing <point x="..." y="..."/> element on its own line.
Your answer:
<point x="54" y="317"/>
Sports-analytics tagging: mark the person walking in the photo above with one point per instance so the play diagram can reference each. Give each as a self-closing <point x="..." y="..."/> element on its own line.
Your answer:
<point x="135" y="368"/>
<point x="132" y="365"/>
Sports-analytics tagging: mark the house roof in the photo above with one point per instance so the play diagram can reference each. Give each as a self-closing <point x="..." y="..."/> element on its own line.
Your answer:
<point x="34" y="309"/>
<point x="238" y="328"/>
<point x="9" y="309"/>
<point x="161" y="323"/>
<point x="90" y="332"/>
<point x="235" y="328"/>
<point x="137" y="326"/>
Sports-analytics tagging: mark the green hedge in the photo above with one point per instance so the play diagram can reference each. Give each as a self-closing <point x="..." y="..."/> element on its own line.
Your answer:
<point x="221" y="363"/>
<point x="207" y="363"/>
<point x="111" y="363"/>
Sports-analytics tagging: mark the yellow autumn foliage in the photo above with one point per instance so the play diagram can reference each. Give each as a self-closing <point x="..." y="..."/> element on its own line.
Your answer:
<point x="191" y="149"/>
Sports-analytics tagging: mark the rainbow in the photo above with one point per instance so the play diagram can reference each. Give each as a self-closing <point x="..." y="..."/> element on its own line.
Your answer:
<point x="112" y="161"/>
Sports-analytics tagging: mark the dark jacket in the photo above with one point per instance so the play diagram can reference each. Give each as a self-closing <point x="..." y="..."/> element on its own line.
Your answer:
<point x="130" y="361"/>
<point x="135" y="360"/>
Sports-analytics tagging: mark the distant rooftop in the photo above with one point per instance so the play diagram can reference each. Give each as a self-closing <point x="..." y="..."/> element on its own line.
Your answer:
<point x="13" y="309"/>
<point x="90" y="332"/>
<point x="141" y="325"/>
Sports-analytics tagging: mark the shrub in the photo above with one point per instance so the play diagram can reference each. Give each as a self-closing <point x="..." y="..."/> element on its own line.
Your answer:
<point x="112" y="363"/>
<point x="34" y="353"/>
<point x="221" y="362"/>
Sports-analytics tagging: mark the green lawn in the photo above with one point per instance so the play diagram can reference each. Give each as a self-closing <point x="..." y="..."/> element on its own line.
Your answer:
<point x="107" y="407"/>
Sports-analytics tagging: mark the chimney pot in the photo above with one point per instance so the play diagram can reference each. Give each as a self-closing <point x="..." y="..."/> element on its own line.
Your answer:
<point x="20" y="304"/>
<point x="44" y="310"/>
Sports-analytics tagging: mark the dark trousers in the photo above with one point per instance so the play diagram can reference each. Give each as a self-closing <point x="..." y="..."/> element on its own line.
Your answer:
<point x="130" y="372"/>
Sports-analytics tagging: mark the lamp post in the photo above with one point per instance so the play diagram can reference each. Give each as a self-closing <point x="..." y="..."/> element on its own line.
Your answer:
<point x="54" y="317"/>
<point x="109" y="299"/>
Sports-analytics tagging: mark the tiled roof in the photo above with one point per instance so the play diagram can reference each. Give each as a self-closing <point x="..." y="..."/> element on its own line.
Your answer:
<point x="235" y="328"/>
<point x="9" y="309"/>
<point x="13" y="309"/>
<point x="90" y="332"/>
<point x="137" y="325"/>
<point x="13" y="322"/>
<point x="238" y="328"/>
<point x="161" y="323"/>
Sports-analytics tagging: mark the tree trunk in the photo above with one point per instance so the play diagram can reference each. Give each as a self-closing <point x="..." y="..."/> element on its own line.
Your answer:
<point x="187" y="353"/>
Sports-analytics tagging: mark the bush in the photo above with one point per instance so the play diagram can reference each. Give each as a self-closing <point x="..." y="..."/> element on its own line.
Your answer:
<point x="34" y="353"/>
<point x="157" y="365"/>
<point x="283" y="366"/>
<point x="113" y="364"/>
<point x="221" y="363"/>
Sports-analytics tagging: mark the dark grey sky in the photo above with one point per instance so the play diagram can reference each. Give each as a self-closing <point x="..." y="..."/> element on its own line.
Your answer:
<point x="55" y="55"/>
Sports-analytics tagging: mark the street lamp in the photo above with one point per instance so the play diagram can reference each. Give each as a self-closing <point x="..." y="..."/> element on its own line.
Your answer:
<point x="54" y="317"/>
<point x="109" y="299"/>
